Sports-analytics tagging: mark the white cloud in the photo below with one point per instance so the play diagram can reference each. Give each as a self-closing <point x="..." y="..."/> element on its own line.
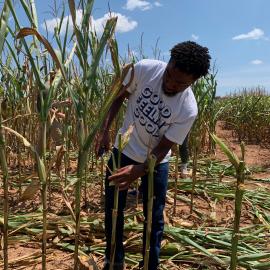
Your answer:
<point x="140" y="4"/>
<point x="195" y="37"/>
<point x="256" y="33"/>
<point x="157" y="4"/>
<point x="124" y="24"/>
<point x="52" y="23"/>
<point x="257" y="62"/>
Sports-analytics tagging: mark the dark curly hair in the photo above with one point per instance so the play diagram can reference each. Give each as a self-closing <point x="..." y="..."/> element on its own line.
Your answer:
<point x="191" y="58"/>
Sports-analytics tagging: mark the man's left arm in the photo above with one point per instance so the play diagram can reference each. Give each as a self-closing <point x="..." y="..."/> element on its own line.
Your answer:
<point x="123" y="177"/>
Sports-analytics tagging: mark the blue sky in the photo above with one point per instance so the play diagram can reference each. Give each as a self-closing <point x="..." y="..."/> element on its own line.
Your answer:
<point x="237" y="32"/>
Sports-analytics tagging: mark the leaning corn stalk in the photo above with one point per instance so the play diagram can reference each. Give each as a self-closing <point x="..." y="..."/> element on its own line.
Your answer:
<point x="122" y="142"/>
<point x="115" y="88"/>
<point x="240" y="168"/>
<point x="89" y="140"/>
<point x="151" y="166"/>
<point x="3" y="27"/>
<point x="82" y="104"/>
<point x="115" y="203"/>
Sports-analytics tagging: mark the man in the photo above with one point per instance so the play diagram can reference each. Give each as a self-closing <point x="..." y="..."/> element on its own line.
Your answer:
<point x="162" y="108"/>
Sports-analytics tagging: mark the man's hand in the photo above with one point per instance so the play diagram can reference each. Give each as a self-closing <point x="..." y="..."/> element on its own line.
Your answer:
<point x="123" y="177"/>
<point x="102" y="143"/>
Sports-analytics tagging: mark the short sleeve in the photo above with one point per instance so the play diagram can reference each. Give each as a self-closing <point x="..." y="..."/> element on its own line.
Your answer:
<point x="178" y="131"/>
<point x="137" y="74"/>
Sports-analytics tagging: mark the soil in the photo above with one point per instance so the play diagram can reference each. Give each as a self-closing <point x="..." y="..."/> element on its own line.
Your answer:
<point x="218" y="214"/>
<point x="256" y="155"/>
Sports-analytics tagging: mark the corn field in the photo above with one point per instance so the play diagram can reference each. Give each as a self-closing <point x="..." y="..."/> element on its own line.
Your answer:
<point x="51" y="185"/>
<point x="247" y="115"/>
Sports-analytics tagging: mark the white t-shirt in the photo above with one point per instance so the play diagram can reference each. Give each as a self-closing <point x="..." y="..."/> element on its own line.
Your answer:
<point x="154" y="114"/>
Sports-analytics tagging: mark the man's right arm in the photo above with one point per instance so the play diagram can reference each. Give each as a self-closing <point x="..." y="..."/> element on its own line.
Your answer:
<point x="102" y="141"/>
<point x="115" y="107"/>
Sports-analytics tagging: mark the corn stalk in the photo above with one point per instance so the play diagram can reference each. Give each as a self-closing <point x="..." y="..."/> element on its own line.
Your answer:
<point x="4" y="168"/>
<point x="85" y="138"/>
<point x="122" y="142"/>
<point x="41" y="170"/>
<point x="151" y="166"/>
<point x="115" y="204"/>
<point x="3" y="162"/>
<point x="240" y="168"/>
<point x="45" y="106"/>
<point x="204" y="90"/>
<point x="45" y="102"/>
<point x="175" y="179"/>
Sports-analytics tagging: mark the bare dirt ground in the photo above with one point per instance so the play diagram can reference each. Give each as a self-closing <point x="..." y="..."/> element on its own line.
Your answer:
<point x="256" y="155"/>
<point x="219" y="214"/>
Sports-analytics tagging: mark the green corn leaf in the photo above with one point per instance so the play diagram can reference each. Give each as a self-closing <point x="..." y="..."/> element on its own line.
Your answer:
<point x="254" y="257"/>
<point x="82" y="51"/>
<point x="65" y="41"/>
<point x="71" y="183"/>
<point x="231" y="156"/>
<point x="107" y="33"/>
<point x="28" y="13"/>
<point x="58" y="41"/>
<point x="31" y="59"/>
<point x="87" y="13"/>
<point x="12" y="53"/>
<point x="32" y="15"/>
<point x="3" y="25"/>
<point x="114" y="91"/>
<point x="114" y="54"/>
<point x="61" y="21"/>
<point x="189" y="241"/>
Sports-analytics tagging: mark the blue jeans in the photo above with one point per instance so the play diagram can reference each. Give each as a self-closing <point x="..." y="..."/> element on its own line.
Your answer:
<point x="160" y="189"/>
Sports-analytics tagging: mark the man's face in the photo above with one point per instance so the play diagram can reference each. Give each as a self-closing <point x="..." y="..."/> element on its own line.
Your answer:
<point x="175" y="80"/>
